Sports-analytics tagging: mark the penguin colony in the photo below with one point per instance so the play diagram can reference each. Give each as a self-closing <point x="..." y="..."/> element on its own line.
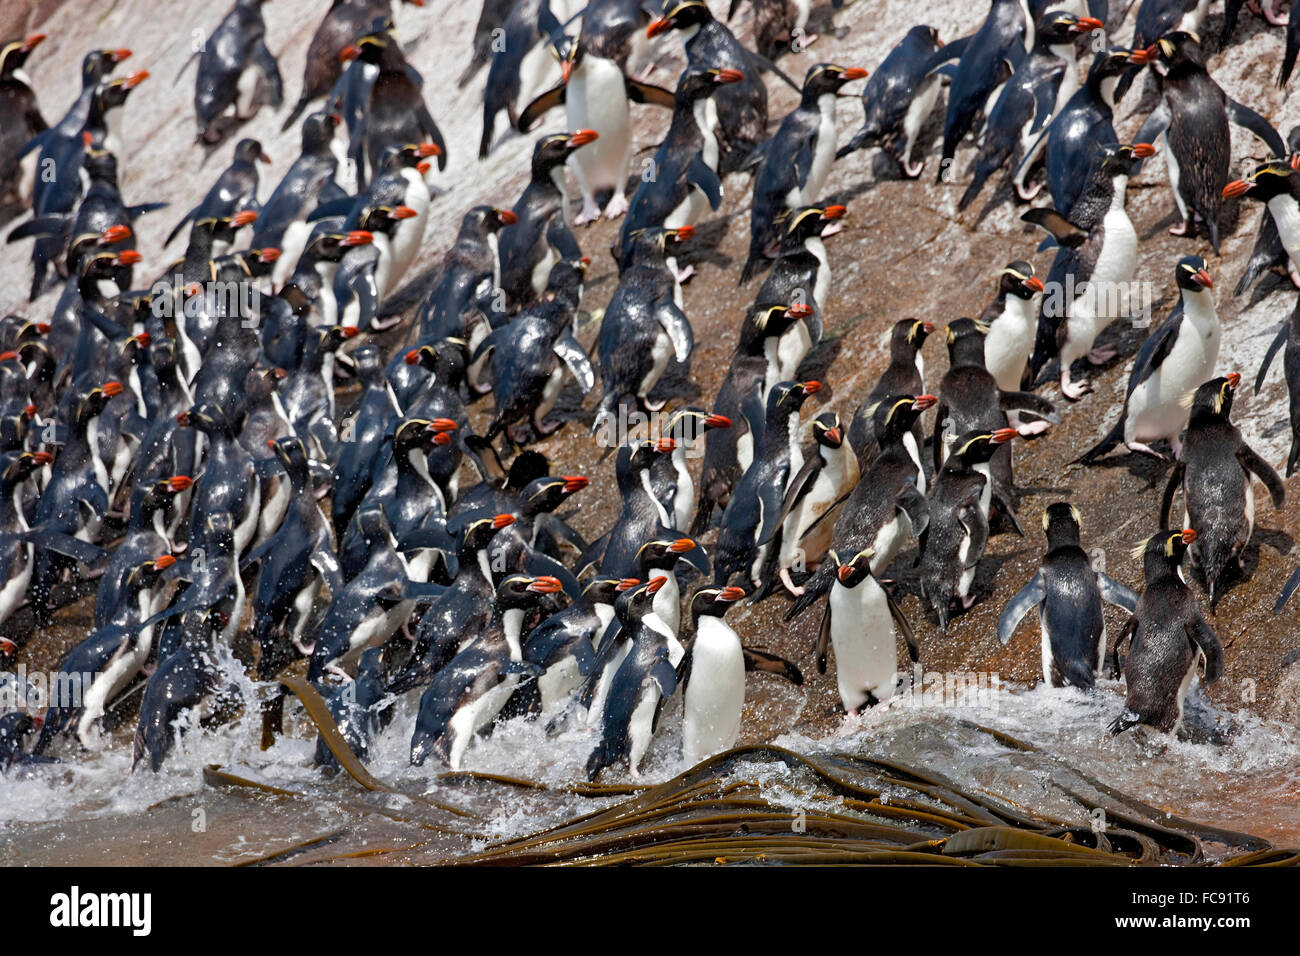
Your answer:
<point x="180" y="451"/>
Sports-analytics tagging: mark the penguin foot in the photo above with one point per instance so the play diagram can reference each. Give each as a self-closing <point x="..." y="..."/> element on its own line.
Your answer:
<point x="1273" y="17"/>
<point x="590" y="212"/>
<point x="1028" y="193"/>
<point x="616" y="206"/>
<point x="1075" y="390"/>
<point x="967" y="601"/>
<point x="1295" y="277"/>
<point x="1029" y="429"/>
<point x="912" y="170"/>
<point x="1147" y="450"/>
<point x="684" y="274"/>
<point x="304" y="649"/>
<point x="795" y="589"/>
<point x="1102" y="354"/>
<point x="1184" y="228"/>
<point x="653" y="406"/>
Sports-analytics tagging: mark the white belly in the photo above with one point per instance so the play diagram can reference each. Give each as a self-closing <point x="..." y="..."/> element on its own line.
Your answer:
<point x="1156" y="406"/>
<point x="1286" y="215"/>
<point x="596" y="99"/>
<point x="715" y="694"/>
<point x="1009" y="342"/>
<point x="862" y="633"/>
<point x="660" y="353"/>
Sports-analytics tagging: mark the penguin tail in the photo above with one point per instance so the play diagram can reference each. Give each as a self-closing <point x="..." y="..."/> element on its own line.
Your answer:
<point x="976" y="186"/>
<point x="814" y="588"/>
<point x="1123" y="722"/>
<point x="1113" y="438"/>
<point x="295" y="112"/>
<point x="596" y="762"/>
<point x="1078" y="674"/>
<point x="1293" y="457"/>
<point x="485" y="141"/>
<point x="749" y="271"/>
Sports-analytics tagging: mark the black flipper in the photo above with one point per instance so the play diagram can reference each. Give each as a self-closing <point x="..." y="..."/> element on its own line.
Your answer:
<point x="1030" y="596"/>
<point x="1248" y="119"/>
<point x="1120" y="595"/>
<point x="544" y="103"/>
<point x="756" y="660"/>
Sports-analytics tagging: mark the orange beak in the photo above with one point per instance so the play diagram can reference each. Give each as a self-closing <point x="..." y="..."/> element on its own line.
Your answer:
<point x="136" y="78"/>
<point x="42" y="457"/>
<point x="1087" y="24"/>
<point x="425" y="150"/>
<point x="582" y="137"/>
<point x="684" y="233"/>
<point x="404" y="212"/>
<point x="443" y="425"/>
<point x="627" y="584"/>
<point x="349" y="53"/>
<point x="113" y="389"/>
<point x="717" y="421"/>
<point x="164" y="561"/>
<point x="574" y="483"/>
<point x="114" y="234"/>
<point x="1234" y="379"/>
<point x="655" y="584"/>
<point x="731" y="594"/>
<point x="566" y="71"/>
<point x="681" y="546"/>
<point x="1238" y="187"/>
<point x="269" y="254"/>
<point x="242" y="219"/>
<point x="725" y="77"/>
<point x="1189" y="535"/>
<point x="1203" y="278"/>
<point x="503" y="521"/>
<point x="662" y="25"/>
<point x="127" y="257"/>
<point x="799" y="310"/>
<point x="1004" y="435"/>
<point x="507" y="217"/>
<point x="1143" y="150"/>
<point x="854" y="73"/>
<point x="834" y="212"/>
<point x="835" y="435"/>
<point x="666" y="445"/>
<point x="1035" y="283"/>
<point x="358" y="237"/>
<point x="546" y="585"/>
<point x="179" y="483"/>
<point x="844" y="572"/>
<point x="812" y="388"/>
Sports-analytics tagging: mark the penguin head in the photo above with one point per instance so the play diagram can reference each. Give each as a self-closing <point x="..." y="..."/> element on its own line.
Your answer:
<point x="568" y="52"/>
<point x="977" y="447"/>
<point x="1180" y="47"/>
<point x="767" y="320"/>
<point x="857" y="569"/>
<point x="1108" y="66"/>
<point x="1264" y="182"/>
<point x="111" y="94"/>
<point x="908" y="335"/>
<point x="164" y="489"/>
<point x="372" y="522"/>
<point x="714" y="601"/>
<point x="1212" y="401"/>
<point x="827" y="430"/>
<point x="331" y="339"/>
<point x="478" y="528"/>
<point x="827" y="78"/>
<point x="636" y="456"/>
<point x="1116" y="160"/>
<point x="98" y="64"/>
<point x="249" y="150"/>
<point x="697" y="83"/>
<point x="607" y="590"/>
<point x="326" y="246"/>
<point x="635" y="602"/>
<point x="485" y="220"/>
<point x="685" y="15"/>
<point x="147" y="572"/>
<point x="554" y="151"/>
<point x="965" y="338"/>
<point x="16" y="466"/>
<point x="14" y="55"/>
<point x="652" y="245"/>
<point x="544" y="495"/>
<point x="371" y="45"/>
<point x="1061" y="524"/>
<point x="407" y="156"/>
<point x="1018" y="279"/>
<point x="445" y="359"/>
<point x="1056" y="28"/>
<point x="318" y="130"/>
<point x="94" y="400"/>
<point x="804" y="223"/>
<point x="211" y="420"/>
<point x="100" y="164"/>
<point x="219" y="529"/>
<point x="790" y="396"/>
<point x="686" y="425"/>
<point x="662" y="554"/>
<point x="1193" y="274"/>
<point x="893" y="416"/>
<point x="523" y="590"/>
<point x="292" y="454"/>
<point x="1164" y="550"/>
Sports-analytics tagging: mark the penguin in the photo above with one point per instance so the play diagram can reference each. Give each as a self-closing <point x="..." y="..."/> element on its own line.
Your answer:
<point x="670" y="477"/>
<point x="645" y="679"/>
<point x="681" y="180"/>
<point x="565" y="643"/>
<point x="593" y="65"/>
<point x="229" y="482"/>
<point x="366" y="272"/>
<point x="235" y="189"/>
<point x="742" y="106"/>
<point x="801" y="273"/>
<point x="1288" y="336"/>
<point x="20" y="117"/>
<point x="753" y="516"/>
<point x="729" y="452"/>
<point x="107" y="661"/>
<point x="1078" y="130"/>
<point x="1096" y="258"/>
<point x="810" y="507"/>
<point x="522" y="63"/>
<point x="1214" y="473"/>
<point x="225" y="78"/>
<point x="1011" y="324"/>
<point x="1292" y="49"/>
<point x="1277" y="185"/>
<point x="403" y="186"/>
<point x="970" y="399"/>
<point x="987" y="59"/>
<point x="782" y="26"/>
<point x="214" y="599"/>
<point x="467" y="695"/>
<point x="644" y="327"/>
<point x="147" y="534"/>
<point x="1174" y="361"/>
<point x="1068" y="592"/>
<point x="1170" y="639"/>
<point x="897" y="99"/>
<point x="465" y="298"/>
<point x="176" y="690"/>
<point x="16" y="554"/>
<point x="886" y="509"/>
<point x="1155" y="18"/>
<point x="393" y="112"/>
<point x="282" y="220"/>
<point x="370" y="607"/>
<point x="713" y="677"/>
<point x="861" y="622"/>
<point x="360" y="711"/>
<point x="905" y="375"/>
<point x="796" y="160"/>
<point x="308" y="392"/>
<point x="293" y="563"/>
<point x="1194" y="117"/>
<point x="343" y="22"/>
<point x="451" y="622"/>
<point x="491" y="21"/>
<point x="958" y="529"/>
<point x="540" y="235"/>
<point x="528" y="360"/>
<point x="1040" y="87"/>
<point x="15" y="727"/>
<point x="362" y="433"/>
